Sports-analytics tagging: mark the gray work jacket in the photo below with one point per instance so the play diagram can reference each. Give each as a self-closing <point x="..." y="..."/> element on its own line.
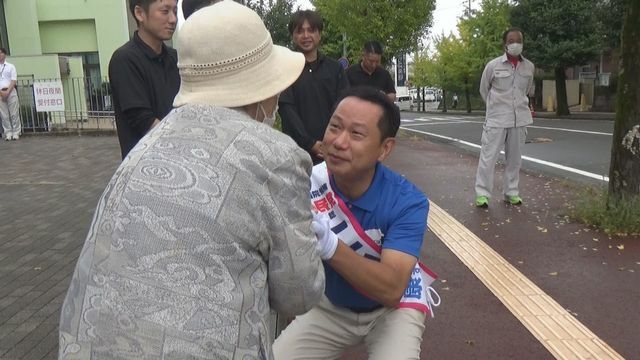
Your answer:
<point x="505" y="90"/>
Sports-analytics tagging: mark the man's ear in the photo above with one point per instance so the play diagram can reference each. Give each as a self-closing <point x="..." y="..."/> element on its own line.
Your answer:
<point x="139" y="13"/>
<point x="386" y="147"/>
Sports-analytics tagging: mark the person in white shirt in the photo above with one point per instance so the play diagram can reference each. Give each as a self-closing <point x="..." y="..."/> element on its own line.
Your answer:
<point x="9" y="103"/>
<point x="506" y="85"/>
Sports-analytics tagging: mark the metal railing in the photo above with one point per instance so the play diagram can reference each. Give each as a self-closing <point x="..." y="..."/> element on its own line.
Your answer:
<point x="87" y="106"/>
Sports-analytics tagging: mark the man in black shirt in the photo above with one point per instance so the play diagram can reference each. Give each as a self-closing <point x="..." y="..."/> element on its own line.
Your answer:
<point x="369" y="72"/>
<point x="144" y="72"/>
<point x="306" y="106"/>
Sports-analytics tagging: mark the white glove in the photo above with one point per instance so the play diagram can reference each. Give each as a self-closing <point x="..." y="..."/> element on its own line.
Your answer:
<point x="327" y="240"/>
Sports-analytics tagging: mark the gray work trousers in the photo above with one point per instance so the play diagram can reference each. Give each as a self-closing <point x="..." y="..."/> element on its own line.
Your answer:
<point x="493" y="140"/>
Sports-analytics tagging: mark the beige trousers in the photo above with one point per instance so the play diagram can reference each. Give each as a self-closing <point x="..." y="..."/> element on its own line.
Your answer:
<point x="327" y="330"/>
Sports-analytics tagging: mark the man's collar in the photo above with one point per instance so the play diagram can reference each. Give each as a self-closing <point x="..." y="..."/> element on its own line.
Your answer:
<point x="146" y="49"/>
<point x="504" y="58"/>
<point x="369" y="199"/>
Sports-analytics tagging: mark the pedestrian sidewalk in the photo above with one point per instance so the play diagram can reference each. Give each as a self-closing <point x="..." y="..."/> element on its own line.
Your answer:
<point x="49" y="187"/>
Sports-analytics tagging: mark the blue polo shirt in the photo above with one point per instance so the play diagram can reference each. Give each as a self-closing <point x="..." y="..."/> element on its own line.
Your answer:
<point x="398" y="209"/>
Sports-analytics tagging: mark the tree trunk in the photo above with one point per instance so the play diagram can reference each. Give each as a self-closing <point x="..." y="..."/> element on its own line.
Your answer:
<point x="418" y="98"/>
<point x="444" y="100"/>
<point x="561" y="92"/>
<point x="624" y="172"/>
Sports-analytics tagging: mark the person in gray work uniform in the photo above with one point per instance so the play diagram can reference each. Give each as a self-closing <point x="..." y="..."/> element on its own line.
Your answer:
<point x="506" y="85"/>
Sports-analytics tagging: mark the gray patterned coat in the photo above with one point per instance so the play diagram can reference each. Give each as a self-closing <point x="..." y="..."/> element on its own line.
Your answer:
<point x="202" y="230"/>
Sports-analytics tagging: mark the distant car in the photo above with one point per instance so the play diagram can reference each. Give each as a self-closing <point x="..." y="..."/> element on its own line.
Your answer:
<point x="404" y="103"/>
<point x="430" y="96"/>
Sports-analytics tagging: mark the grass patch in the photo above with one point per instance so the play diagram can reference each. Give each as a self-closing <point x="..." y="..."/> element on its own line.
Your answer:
<point x="618" y="218"/>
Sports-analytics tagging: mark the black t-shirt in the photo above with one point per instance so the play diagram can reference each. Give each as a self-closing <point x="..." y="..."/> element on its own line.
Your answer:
<point x="380" y="79"/>
<point x="143" y="86"/>
<point x="305" y="107"/>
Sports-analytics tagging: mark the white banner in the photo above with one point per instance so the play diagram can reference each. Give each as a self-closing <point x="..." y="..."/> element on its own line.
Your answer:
<point x="49" y="95"/>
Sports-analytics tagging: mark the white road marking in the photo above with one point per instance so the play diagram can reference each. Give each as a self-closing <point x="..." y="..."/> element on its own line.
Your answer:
<point x="465" y="121"/>
<point x="528" y="158"/>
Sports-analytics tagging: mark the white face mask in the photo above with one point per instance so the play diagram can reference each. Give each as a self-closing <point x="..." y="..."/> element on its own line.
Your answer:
<point x="514" y="49"/>
<point x="268" y="120"/>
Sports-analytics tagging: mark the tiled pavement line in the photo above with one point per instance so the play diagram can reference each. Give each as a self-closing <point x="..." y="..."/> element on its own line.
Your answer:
<point x="561" y="333"/>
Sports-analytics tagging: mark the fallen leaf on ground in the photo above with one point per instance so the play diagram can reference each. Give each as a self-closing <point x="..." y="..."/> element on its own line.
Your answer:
<point x="555" y="273"/>
<point x="596" y="240"/>
<point x="443" y="281"/>
<point x="620" y="247"/>
<point x="470" y="342"/>
<point x="541" y="229"/>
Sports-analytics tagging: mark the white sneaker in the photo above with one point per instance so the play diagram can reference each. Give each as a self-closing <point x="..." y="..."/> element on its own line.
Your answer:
<point x="15" y="137"/>
<point x="7" y="137"/>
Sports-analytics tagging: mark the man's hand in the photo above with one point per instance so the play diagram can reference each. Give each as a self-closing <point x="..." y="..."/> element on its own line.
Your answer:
<point x="327" y="240"/>
<point x="5" y="94"/>
<point x="317" y="150"/>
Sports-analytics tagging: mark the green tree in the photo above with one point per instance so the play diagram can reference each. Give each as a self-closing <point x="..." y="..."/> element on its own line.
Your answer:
<point x="397" y="24"/>
<point x="558" y="35"/>
<point x="276" y="15"/>
<point x="481" y="35"/>
<point x="610" y="15"/>
<point x="624" y="173"/>
<point x="276" y="19"/>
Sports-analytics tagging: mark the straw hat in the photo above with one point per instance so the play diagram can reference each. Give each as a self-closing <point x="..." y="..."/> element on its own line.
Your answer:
<point x="226" y="58"/>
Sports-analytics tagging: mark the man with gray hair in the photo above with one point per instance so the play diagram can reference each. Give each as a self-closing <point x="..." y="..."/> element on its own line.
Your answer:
<point x="206" y="224"/>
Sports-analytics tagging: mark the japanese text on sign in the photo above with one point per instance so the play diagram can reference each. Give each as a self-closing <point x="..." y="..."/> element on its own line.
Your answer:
<point x="48" y="95"/>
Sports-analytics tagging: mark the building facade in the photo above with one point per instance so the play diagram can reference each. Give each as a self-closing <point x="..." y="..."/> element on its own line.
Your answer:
<point x="67" y="40"/>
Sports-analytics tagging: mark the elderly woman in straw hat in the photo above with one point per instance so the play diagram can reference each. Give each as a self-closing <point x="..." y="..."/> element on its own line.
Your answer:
<point x="206" y="225"/>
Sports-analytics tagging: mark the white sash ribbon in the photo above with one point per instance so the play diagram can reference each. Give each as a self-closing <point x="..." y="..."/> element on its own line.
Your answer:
<point x="418" y="294"/>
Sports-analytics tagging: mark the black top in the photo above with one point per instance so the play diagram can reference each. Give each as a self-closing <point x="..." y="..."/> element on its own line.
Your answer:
<point x="143" y="86"/>
<point x="306" y="106"/>
<point x="380" y="79"/>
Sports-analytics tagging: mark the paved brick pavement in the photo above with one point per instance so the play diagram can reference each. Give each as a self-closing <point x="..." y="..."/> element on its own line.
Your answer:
<point x="49" y="187"/>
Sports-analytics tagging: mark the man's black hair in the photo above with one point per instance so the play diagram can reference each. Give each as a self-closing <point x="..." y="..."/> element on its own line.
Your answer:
<point x="191" y="6"/>
<point x="372" y="47"/>
<point x="389" y="122"/>
<point x="144" y="4"/>
<point x="298" y="18"/>
<point x="3" y="50"/>
<point x="510" y="30"/>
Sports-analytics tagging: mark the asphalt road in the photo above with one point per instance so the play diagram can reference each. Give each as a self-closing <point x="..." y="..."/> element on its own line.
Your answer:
<point x="579" y="150"/>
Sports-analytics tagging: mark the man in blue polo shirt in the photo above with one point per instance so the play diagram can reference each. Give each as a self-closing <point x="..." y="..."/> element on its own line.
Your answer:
<point x="383" y="211"/>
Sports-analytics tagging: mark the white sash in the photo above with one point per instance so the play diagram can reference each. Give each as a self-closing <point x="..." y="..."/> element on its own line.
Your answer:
<point x="418" y="294"/>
